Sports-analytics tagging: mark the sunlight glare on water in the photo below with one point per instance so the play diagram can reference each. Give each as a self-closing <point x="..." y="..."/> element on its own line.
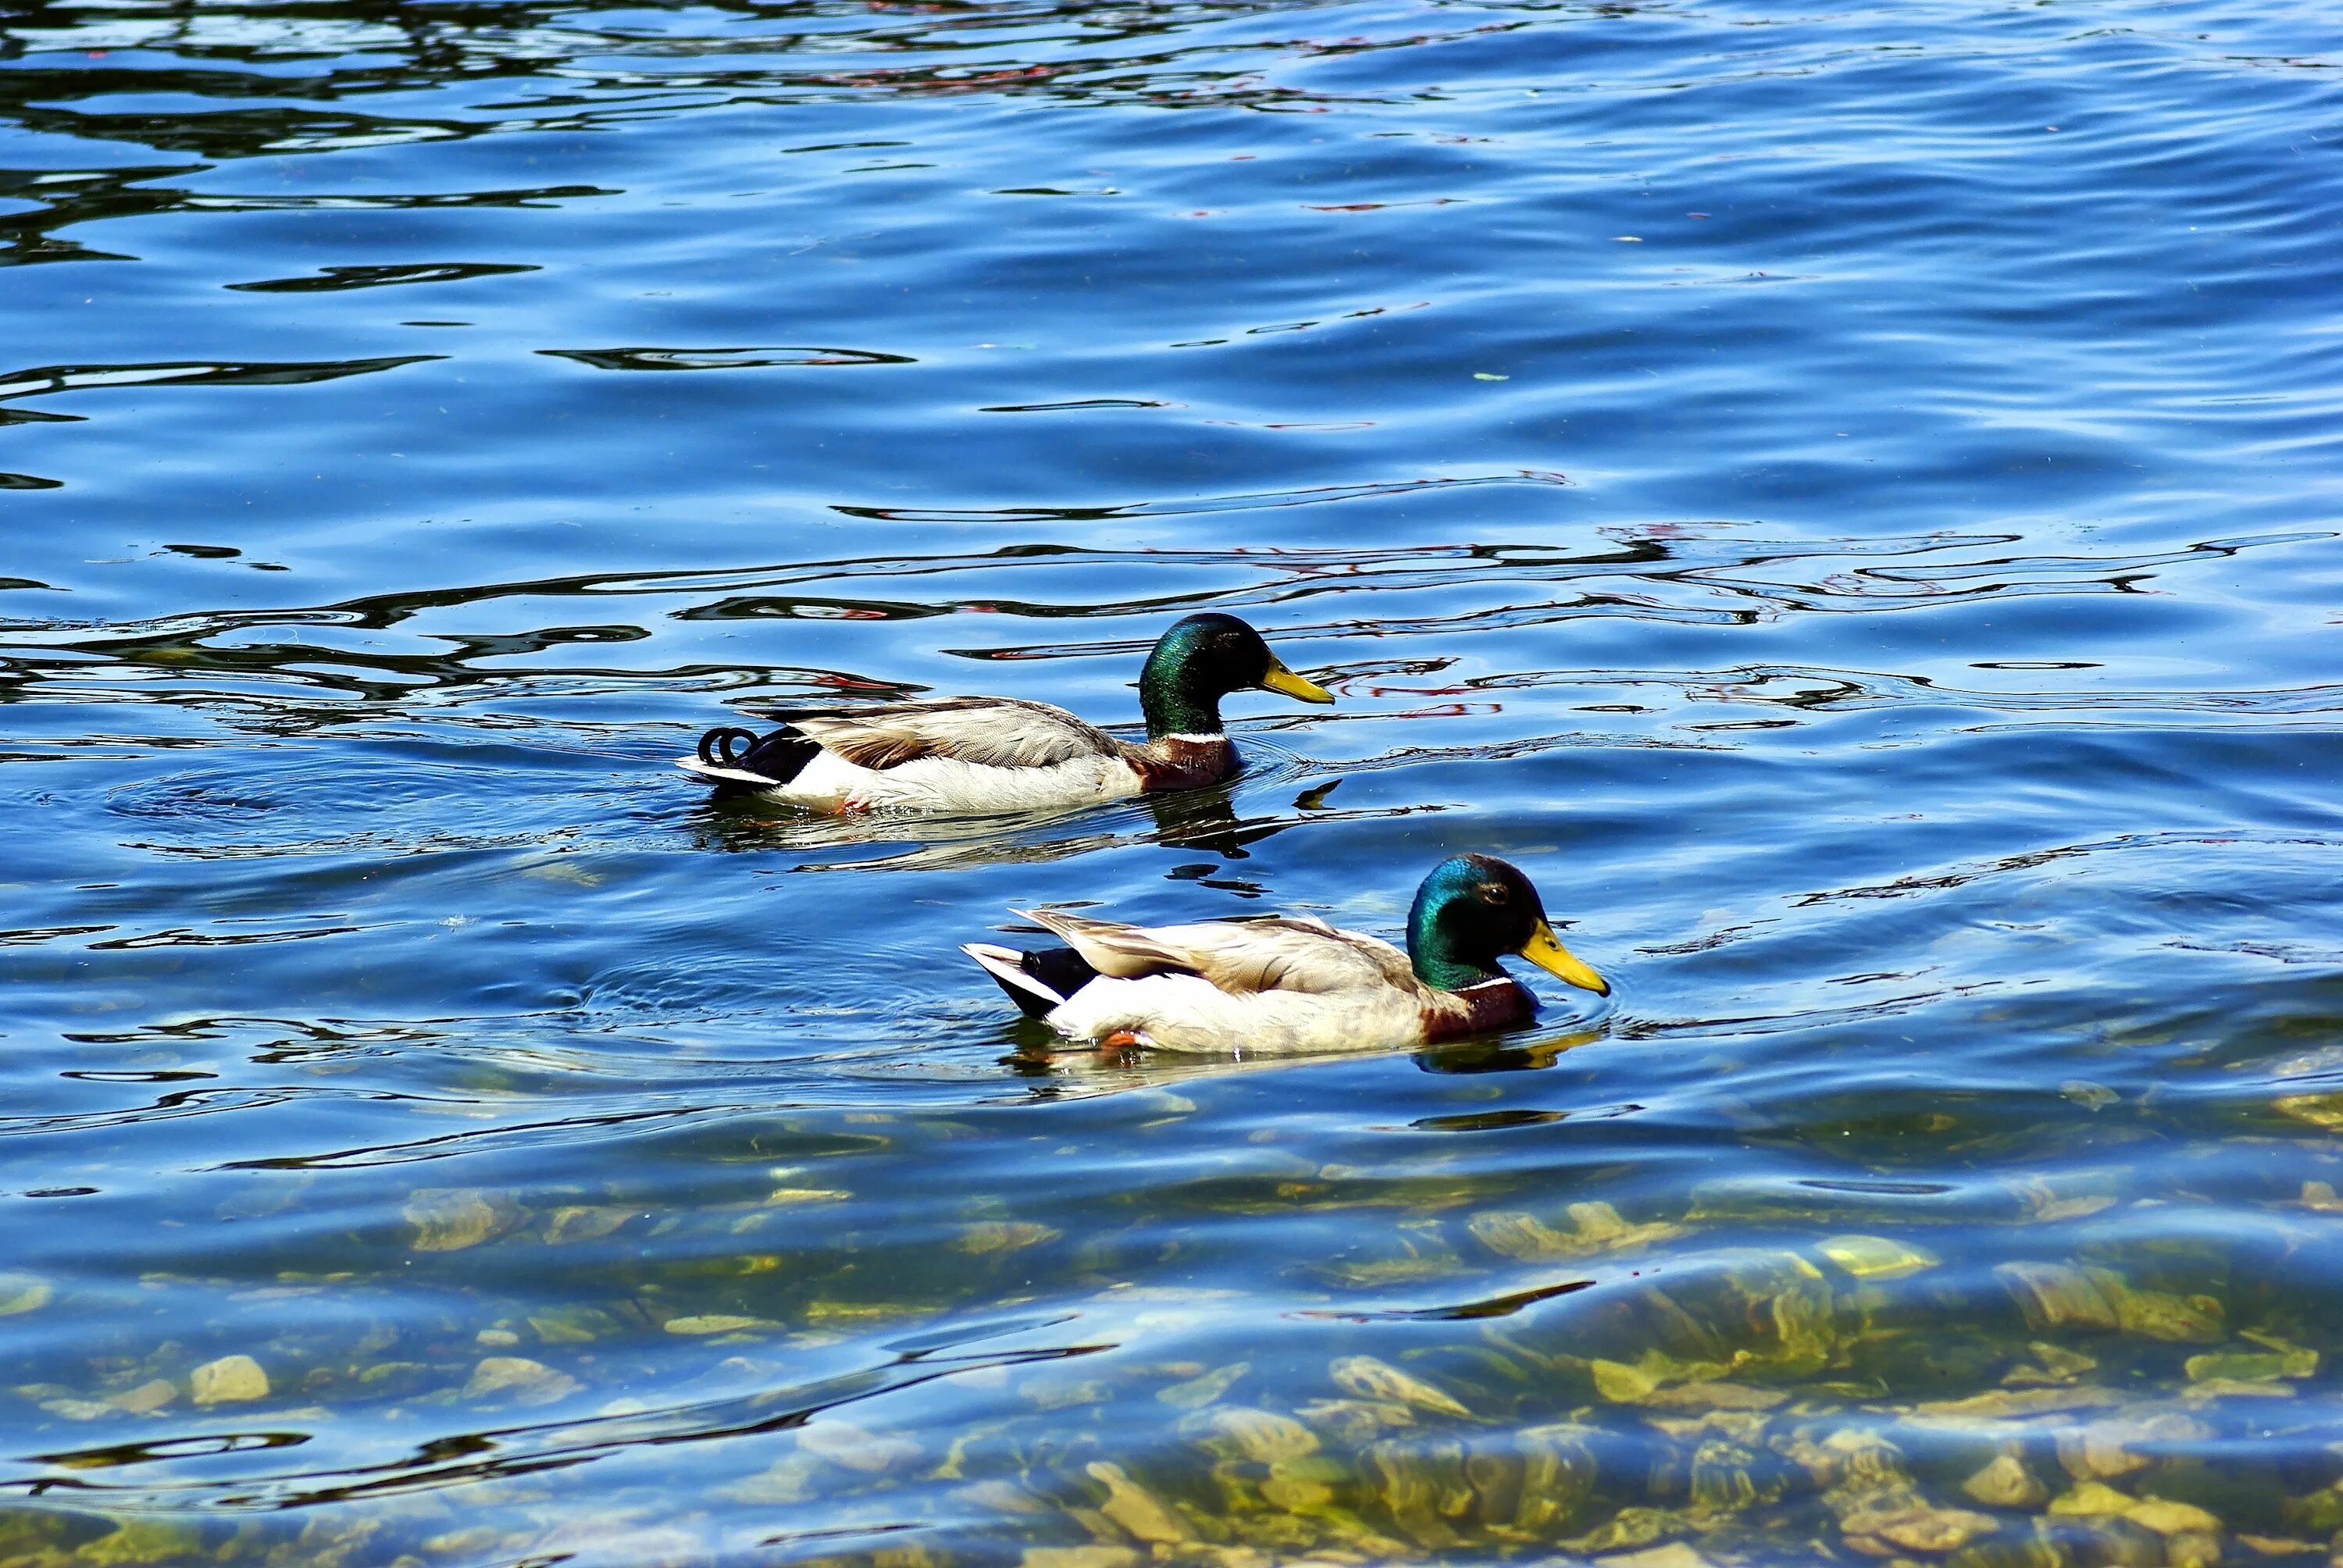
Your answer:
<point x="1844" y="495"/>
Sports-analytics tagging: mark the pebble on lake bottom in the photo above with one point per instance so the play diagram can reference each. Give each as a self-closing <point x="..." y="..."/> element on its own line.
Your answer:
<point x="153" y="1395"/>
<point x="1675" y="1554"/>
<point x="2006" y="1483"/>
<point x="23" y="1293"/>
<point x="230" y="1380"/>
<point x="717" y="1323"/>
<point x="524" y="1381"/>
<point x="451" y="1219"/>
<point x="1374" y="1379"/>
<point x="853" y="1448"/>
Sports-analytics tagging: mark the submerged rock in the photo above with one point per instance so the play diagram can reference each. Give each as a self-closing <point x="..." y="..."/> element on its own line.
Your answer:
<point x="2325" y="1111"/>
<point x="2111" y="1541"/>
<point x="1917" y="1527"/>
<point x="717" y="1323"/>
<point x="2006" y="1483"/>
<point x="450" y="1220"/>
<point x="2090" y="1498"/>
<point x="2058" y="1365"/>
<point x="845" y="1444"/>
<point x="2173" y="1518"/>
<point x="1002" y="1236"/>
<point x="2015" y="1403"/>
<point x="1675" y="1554"/>
<point x="2160" y="1314"/>
<point x="78" y="1409"/>
<point x="1356" y="1422"/>
<point x="1861" y="1468"/>
<point x="231" y="1379"/>
<point x="522" y="1379"/>
<point x="1263" y="1436"/>
<point x="572" y="1325"/>
<point x="1725" y="1478"/>
<point x="585" y="1222"/>
<point x="2054" y="1296"/>
<point x="1596" y="1227"/>
<point x="1876" y="1257"/>
<point x="1774" y="1310"/>
<point x="1621" y="1384"/>
<point x="23" y="1293"/>
<point x="1630" y="1527"/>
<point x="2249" y="1366"/>
<point x="1079" y="1557"/>
<point x="1380" y="1382"/>
<point x="2034" y="1551"/>
<point x="1135" y="1508"/>
<point x="2109" y="1447"/>
<point x="1303" y="1486"/>
<point x="148" y="1397"/>
<point x="1558" y="1476"/>
<point x="1715" y="1396"/>
<point x="142" y="1541"/>
<point x="1202" y="1390"/>
<point x="2319" y="1513"/>
<point x="1423" y="1486"/>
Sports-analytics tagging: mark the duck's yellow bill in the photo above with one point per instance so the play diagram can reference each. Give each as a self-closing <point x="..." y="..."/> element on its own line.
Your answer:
<point x="1546" y="950"/>
<point x="1281" y="678"/>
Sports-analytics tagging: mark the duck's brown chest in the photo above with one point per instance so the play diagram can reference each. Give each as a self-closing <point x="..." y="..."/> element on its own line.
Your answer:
<point x="1483" y="1009"/>
<point x="1182" y="763"/>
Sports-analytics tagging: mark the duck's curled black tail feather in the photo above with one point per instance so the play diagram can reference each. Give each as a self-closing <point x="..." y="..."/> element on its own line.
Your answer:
<point x="1037" y="982"/>
<point x="724" y="747"/>
<point x="1062" y="969"/>
<point x="776" y="759"/>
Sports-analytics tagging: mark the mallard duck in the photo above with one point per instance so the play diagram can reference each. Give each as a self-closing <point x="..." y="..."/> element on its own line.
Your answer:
<point x="1285" y="986"/>
<point x="1004" y="754"/>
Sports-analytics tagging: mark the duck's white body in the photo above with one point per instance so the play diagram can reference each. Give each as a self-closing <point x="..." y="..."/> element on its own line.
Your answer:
<point x="1190" y="1014"/>
<point x="1282" y="986"/>
<point x="939" y="784"/>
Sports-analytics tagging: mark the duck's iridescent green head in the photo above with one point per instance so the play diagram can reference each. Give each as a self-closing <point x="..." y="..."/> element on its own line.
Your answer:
<point x="1200" y="660"/>
<point x="1473" y="910"/>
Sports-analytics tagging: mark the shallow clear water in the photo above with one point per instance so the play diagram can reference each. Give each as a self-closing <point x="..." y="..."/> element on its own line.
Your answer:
<point x="1844" y="495"/>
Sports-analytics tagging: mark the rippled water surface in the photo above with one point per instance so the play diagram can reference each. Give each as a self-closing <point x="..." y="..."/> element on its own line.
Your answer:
<point x="1844" y="494"/>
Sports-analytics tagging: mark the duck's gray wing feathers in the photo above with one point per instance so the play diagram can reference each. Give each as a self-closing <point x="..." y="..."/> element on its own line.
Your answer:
<point x="988" y="732"/>
<point x="1110" y="947"/>
<point x="1239" y="957"/>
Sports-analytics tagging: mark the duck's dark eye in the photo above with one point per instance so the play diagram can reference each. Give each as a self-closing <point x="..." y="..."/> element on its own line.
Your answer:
<point x="1496" y="893"/>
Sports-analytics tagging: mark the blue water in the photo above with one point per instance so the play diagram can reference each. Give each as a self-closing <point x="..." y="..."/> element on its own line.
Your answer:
<point x="1845" y="497"/>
